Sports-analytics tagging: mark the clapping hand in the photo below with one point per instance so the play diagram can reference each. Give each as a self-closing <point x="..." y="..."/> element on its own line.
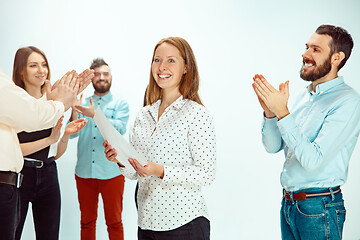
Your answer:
<point x="85" y="79"/>
<point x="64" y="90"/>
<point x="75" y="126"/>
<point x="55" y="131"/>
<point x="88" y="111"/>
<point x="68" y="87"/>
<point x="274" y="102"/>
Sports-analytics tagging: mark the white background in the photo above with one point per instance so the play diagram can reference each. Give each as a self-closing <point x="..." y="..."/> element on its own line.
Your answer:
<point x="232" y="41"/>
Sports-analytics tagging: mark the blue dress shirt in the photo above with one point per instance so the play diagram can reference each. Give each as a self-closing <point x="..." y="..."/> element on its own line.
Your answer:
<point x="92" y="162"/>
<point x="318" y="137"/>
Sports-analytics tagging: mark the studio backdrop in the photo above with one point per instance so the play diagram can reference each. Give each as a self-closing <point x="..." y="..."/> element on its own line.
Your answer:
<point x="232" y="40"/>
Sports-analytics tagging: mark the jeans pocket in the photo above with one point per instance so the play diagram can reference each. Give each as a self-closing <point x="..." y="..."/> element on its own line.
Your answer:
<point x="7" y="193"/>
<point x="340" y="219"/>
<point x="335" y="217"/>
<point x="310" y="219"/>
<point x="311" y="209"/>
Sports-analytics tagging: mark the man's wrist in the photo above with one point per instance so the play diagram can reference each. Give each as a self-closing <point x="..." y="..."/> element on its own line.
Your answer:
<point x="89" y="114"/>
<point x="269" y="114"/>
<point x="283" y="113"/>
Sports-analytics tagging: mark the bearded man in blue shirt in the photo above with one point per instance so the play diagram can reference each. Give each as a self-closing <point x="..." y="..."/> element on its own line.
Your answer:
<point x="318" y="137"/>
<point x="94" y="174"/>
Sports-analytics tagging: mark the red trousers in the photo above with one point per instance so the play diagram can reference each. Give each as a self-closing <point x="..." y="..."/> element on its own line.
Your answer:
<point x="111" y="191"/>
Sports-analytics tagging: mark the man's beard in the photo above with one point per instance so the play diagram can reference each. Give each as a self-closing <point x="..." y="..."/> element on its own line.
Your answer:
<point x="317" y="72"/>
<point x="102" y="89"/>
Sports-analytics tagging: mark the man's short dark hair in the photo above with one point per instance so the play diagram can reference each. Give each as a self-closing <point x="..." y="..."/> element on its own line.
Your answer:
<point x="341" y="41"/>
<point x="98" y="62"/>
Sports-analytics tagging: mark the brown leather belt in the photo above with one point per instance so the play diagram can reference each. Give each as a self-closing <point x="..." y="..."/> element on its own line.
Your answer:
<point x="11" y="178"/>
<point x="300" y="196"/>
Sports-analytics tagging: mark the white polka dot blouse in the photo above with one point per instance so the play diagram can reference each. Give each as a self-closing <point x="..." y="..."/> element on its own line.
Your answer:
<point x="183" y="141"/>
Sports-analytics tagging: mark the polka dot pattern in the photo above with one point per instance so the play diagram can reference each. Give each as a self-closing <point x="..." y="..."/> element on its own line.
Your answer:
<point x="183" y="141"/>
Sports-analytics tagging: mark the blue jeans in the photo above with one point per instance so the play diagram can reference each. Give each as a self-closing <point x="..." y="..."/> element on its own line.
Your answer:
<point x="197" y="229"/>
<point x="317" y="218"/>
<point x="40" y="186"/>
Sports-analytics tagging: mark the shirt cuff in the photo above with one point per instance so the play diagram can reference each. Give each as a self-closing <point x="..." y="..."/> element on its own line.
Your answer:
<point x="169" y="176"/>
<point x="269" y="123"/>
<point x="59" y="106"/>
<point x="286" y="124"/>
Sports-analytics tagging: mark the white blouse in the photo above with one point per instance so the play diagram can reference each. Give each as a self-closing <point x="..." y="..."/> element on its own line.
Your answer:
<point x="183" y="141"/>
<point x="21" y="112"/>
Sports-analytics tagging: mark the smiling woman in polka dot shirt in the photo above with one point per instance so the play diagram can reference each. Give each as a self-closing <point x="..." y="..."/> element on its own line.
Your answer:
<point x="176" y="133"/>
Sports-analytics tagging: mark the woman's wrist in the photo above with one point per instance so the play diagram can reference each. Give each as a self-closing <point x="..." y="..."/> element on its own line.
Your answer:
<point x="65" y="138"/>
<point x="160" y="171"/>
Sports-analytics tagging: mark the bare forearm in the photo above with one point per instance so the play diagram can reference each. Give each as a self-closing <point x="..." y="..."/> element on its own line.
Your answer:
<point x="74" y="116"/>
<point x="62" y="145"/>
<point x="31" y="147"/>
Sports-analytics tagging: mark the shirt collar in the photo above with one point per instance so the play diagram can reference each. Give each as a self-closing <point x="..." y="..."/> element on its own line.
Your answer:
<point x="323" y="87"/>
<point x="106" y="97"/>
<point x="177" y="105"/>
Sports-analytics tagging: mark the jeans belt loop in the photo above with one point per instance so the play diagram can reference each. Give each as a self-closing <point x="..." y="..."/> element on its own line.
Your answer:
<point x="292" y="199"/>
<point x="19" y="180"/>
<point x="332" y="194"/>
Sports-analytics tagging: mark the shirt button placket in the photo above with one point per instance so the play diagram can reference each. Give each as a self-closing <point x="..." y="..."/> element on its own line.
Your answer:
<point x="94" y="138"/>
<point x="93" y="152"/>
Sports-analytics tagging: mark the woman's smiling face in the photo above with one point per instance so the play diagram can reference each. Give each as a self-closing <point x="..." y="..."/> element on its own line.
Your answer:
<point x="36" y="70"/>
<point x="168" y="67"/>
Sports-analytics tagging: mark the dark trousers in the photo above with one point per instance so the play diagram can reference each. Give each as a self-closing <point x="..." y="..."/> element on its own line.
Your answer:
<point x="9" y="211"/>
<point x="197" y="229"/>
<point x="40" y="186"/>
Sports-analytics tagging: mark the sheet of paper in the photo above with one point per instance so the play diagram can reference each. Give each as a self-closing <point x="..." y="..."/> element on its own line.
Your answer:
<point x="123" y="149"/>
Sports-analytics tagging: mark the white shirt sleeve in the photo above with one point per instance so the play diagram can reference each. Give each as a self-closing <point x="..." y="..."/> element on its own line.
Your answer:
<point x="22" y="112"/>
<point x="202" y="144"/>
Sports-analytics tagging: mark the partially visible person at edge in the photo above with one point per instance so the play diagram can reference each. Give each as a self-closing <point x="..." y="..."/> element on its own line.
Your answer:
<point x="21" y="112"/>
<point x="176" y="134"/>
<point x="318" y="137"/>
<point x="40" y="184"/>
<point x="94" y="174"/>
